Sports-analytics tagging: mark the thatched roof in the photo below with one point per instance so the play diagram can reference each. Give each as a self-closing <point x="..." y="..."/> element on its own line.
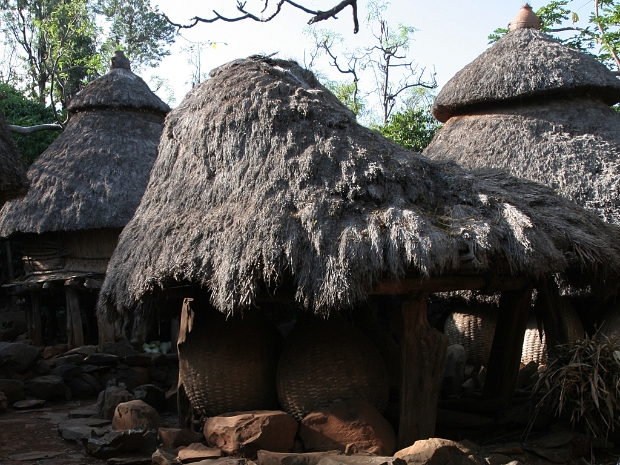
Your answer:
<point x="525" y="65"/>
<point x="13" y="182"/>
<point x="572" y="145"/>
<point x="262" y="174"/>
<point x="94" y="174"/>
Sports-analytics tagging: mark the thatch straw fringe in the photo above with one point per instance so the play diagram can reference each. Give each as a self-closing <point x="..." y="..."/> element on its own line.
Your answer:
<point x="13" y="182"/>
<point x="570" y="145"/>
<point x="525" y="65"/>
<point x="262" y="173"/>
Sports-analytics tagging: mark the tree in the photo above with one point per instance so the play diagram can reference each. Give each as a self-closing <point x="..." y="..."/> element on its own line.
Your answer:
<point x="23" y="111"/>
<point x="137" y="29"/>
<point x="600" y="38"/>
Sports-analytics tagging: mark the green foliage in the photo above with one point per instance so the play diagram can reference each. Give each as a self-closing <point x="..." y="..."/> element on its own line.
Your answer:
<point x="346" y="91"/>
<point x="25" y="112"/>
<point x="413" y="128"/>
<point x="138" y="30"/>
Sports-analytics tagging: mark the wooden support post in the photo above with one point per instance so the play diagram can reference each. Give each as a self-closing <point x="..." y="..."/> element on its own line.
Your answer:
<point x="105" y="329"/>
<point x="37" y="329"/>
<point x="505" y="357"/>
<point x="423" y="354"/>
<point x="75" y="335"/>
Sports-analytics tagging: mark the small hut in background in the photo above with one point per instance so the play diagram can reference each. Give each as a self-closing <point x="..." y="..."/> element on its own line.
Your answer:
<point x="13" y="181"/>
<point x="538" y="110"/>
<point x="267" y="190"/>
<point x="84" y="188"/>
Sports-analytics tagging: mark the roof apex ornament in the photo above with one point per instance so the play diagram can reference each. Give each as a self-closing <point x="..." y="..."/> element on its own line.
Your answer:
<point x="525" y="19"/>
<point x="119" y="60"/>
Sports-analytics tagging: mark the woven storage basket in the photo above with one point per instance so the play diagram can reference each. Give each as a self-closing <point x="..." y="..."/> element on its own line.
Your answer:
<point x="324" y="361"/>
<point x="229" y="365"/>
<point x="474" y="330"/>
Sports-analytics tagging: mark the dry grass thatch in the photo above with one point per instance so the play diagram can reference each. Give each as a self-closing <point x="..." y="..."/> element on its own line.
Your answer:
<point x="13" y="181"/>
<point x="94" y="174"/>
<point x="263" y="173"/>
<point x="572" y="145"/>
<point x="525" y="65"/>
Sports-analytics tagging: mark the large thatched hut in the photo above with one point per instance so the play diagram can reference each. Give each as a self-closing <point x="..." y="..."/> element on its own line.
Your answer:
<point x="266" y="189"/>
<point x="539" y="110"/>
<point x="13" y="181"/>
<point x="84" y="188"/>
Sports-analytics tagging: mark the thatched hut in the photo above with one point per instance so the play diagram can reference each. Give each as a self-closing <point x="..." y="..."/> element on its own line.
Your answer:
<point x="266" y="188"/>
<point x="13" y="181"/>
<point x="538" y="110"/>
<point x="84" y="189"/>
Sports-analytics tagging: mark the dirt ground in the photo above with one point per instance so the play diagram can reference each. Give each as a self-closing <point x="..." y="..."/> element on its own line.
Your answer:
<point x="30" y="437"/>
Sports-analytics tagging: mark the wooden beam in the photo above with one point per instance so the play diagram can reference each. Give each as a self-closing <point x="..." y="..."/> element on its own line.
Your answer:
<point x="505" y="357"/>
<point x="37" y="329"/>
<point x="450" y="283"/>
<point x="423" y="354"/>
<point x="75" y="335"/>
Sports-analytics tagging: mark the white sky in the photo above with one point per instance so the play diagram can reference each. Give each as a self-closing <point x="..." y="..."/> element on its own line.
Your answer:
<point x="451" y="33"/>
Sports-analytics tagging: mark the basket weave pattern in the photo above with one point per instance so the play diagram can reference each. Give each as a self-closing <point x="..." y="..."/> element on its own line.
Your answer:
<point x="324" y="361"/>
<point x="228" y="366"/>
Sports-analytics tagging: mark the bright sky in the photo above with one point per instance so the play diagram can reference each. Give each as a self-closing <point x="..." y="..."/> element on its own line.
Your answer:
<point x="450" y="33"/>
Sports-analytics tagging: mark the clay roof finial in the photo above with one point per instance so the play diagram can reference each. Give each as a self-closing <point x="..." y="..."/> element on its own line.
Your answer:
<point x="119" y="60"/>
<point x="525" y="19"/>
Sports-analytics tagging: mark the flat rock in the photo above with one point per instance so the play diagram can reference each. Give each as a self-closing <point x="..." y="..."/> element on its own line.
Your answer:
<point x="165" y="456"/>
<point x="33" y="456"/>
<point x="552" y="440"/>
<point x="177" y="437"/>
<point x="497" y="459"/>
<point x="80" y="429"/>
<point x="511" y="448"/>
<point x="434" y="451"/>
<point x="27" y="404"/>
<point x="136" y="414"/>
<point x="84" y="412"/>
<point x="76" y="359"/>
<point x="116" y="443"/>
<point x="224" y="461"/>
<point x="131" y="460"/>
<point x="83" y="350"/>
<point x="290" y="458"/>
<point x="558" y="455"/>
<point x="197" y="452"/>
<point x="360" y="460"/>
<point x="352" y="426"/>
<point x="245" y="433"/>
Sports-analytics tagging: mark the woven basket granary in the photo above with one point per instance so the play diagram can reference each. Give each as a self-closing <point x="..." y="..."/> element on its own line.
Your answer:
<point x="474" y="329"/>
<point x="324" y="361"/>
<point x="229" y="365"/>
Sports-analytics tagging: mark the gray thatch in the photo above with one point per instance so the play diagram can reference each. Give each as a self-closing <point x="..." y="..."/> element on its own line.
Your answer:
<point x="94" y="174"/>
<point x="521" y="67"/>
<point x="13" y="181"/>
<point x="571" y="145"/>
<point x="262" y="174"/>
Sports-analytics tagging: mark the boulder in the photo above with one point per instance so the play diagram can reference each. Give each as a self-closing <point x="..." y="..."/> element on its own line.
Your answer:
<point x="454" y="370"/>
<point x="177" y="437"/>
<point x="136" y="414"/>
<point x="13" y="389"/>
<point x="42" y="367"/>
<point x="67" y="372"/>
<point x="197" y="452"/>
<point x="17" y="357"/>
<point x="132" y="377"/>
<point x="48" y="387"/>
<point x="101" y="359"/>
<point x="244" y="433"/>
<point x="352" y="426"/>
<point x="152" y="395"/>
<point x="113" y="396"/>
<point x="4" y="402"/>
<point x="118" y="348"/>
<point x="51" y="351"/>
<point x="76" y="359"/>
<point x="288" y="458"/>
<point x="436" y="451"/>
<point x="84" y="387"/>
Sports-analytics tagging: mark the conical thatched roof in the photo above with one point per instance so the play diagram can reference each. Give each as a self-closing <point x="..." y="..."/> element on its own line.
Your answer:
<point x="262" y="173"/>
<point x="94" y="174"/>
<point x="523" y="66"/>
<point x="13" y="182"/>
<point x="571" y="145"/>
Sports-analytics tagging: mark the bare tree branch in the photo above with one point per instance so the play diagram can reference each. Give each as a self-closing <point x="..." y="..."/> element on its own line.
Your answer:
<point x="317" y="15"/>
<point x="31" y="129"/>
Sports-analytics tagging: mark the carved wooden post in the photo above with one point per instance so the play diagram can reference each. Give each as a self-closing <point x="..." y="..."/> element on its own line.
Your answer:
<point x="37" y="329"/>
<point x="423" y="354"/>
<point x="75" y="335"/>
<point x="505" y="358"/>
